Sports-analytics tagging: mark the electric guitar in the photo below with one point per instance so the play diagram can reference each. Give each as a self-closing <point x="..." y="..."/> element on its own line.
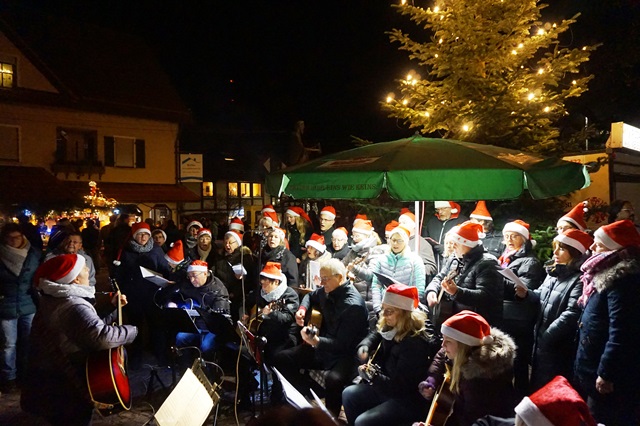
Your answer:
<point x="442" y="404"/>
<point x="106" y="373"/>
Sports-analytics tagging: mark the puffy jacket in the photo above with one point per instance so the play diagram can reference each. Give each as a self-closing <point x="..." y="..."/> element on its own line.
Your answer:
<point x="16" y="292"/>
<point x="405" y="267"/>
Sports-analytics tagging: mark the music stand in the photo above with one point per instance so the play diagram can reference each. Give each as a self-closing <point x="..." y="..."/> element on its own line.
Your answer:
<point x="218" y="324"/>
<point x="178" y="320"/>
<point x="255" y="346"/>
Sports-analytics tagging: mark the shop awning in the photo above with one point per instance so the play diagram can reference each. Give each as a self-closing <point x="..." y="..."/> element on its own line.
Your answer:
<point x="140" y="192"/>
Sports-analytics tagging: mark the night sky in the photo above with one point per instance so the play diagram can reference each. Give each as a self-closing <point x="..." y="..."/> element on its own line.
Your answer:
<point x="262" y="65"/>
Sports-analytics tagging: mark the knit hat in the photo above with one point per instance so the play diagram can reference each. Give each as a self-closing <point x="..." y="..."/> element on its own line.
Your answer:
<point x="194" y="223"/>
<point x="140" y="227"/>
<point x="340" y="232"/>
<point x="235" y="235"/>
<point x="555" y="404"/>
<point x="519" y="226"/>
<point x="317" y="242"/>
<point x="175" y="255"/>
<point x="159" y="231"/>
<point x="362" y="226"/>
<point x="576" y="216"/>
<point x="273" y="270"/>
<point x="445" y="204"/>
<point x="236" y="224"/>
<point x="481" y="212"/>
<point x="401" y="296"/>
<point x="579" y="240"/>
<point x="617" y="235"/>
<point x="469" y="328"/>
<point x="468" y="234"/>
<point x="390" y="227"/>
<point x="198" y="266"/>
<point x="204" y="231"/>
<point x="61" y="269"/>
<point x="404" y="233"/>
<point x="329" y="212"/>
<point x="297" y="211"/>
<point x="268" y="209"/>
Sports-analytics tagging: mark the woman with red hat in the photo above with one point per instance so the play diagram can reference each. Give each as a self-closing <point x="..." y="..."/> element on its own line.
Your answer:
<point x="556" y="302"/>
<point x="276" y="251"/>
<point x="480" y="361"/>
<point x="299" y="228"/>
<point x="605" y="370"/>
<point x="66" y="329"/>
<point x="394" y="357"/>
<point x="316" y="251"/>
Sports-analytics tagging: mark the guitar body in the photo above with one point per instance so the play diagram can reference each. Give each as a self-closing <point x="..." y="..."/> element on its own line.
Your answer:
<point x="314" y="321"/>
<point x="107" y="379"/>
<point x="442" y="404"/>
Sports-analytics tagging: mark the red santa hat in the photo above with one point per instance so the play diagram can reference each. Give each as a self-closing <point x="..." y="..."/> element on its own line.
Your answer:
<point x="317" y="242"/>
<point x="198" y="266"/>
<point x="407" y="218"/>
<point x="140" y="228"/>
<point x="204" y="231"/>
<point x="329" y="212"/>
<point x="444" y="204"/>
<point x="360" y="217"/>
<point x="617" y="235"/>
<point x="159" y="231"/>
<point x="340" y="232"/>
<point x="362" y="226"/>
<point x="296" y="211"/>
<point x="518" y="226"/>
<point x="272" y="218"/>
<point x="280" y="233"/>
<point x="62" y="269"/>
<point x="268" y="209"/>
<point x="403" y="232"/>
<point x="579" y="240"/>
<point x="481" y="212"/>
<point x="401" y="296"/>
<point x="468" y="234"/>
<point x="390" y="227"/>
<point x="175" y="255"/>
<point x="555" y="404"/>
<point x="576" y="216"/>
<point x="469" y="328"/>
<point x="236" y="224"/>
<point x="235" y="235"/>
<point x="273" y="270"/>
<point x="194" y="223"/>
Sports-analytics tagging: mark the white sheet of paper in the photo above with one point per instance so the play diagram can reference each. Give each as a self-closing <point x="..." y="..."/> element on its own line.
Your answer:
<point x="239" y="269"/>
<point x="293" y="396"/>
<point x="154" y="277"/>
<point x="508" y="273"/>
<point x="189" y="404"/>
<point x="314" y="272"/>
<point x="321" y="405"/>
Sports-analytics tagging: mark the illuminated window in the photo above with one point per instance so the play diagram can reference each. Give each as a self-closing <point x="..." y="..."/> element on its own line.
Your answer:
<point x="233" y="189"/>
<point x="257" y="190"/>
<point x="245" y="189"/>
<point x="9" y="143"/>
<point x="6" y="74"/>
<point x="207" y="189"/>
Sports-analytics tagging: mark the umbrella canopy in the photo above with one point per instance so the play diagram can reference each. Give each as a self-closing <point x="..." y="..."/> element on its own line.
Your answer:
<point x="419" y="168"/>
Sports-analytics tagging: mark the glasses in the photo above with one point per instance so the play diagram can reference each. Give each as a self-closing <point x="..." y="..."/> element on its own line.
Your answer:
<point x="389" y="311"/>
<point x="337" y="240"/>
<point x="195" y="275"/>
<point x="511" y="237"/>
<point x="396" y="240"/>
<point x="325" y="279"/>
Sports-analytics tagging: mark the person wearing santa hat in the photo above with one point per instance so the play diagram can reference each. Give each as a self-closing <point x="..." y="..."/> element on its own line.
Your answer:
<point x="492" y="240"/>
<point x="66" y="329"/>
<point x="480" y="359"/>
<point x="327" y="224"/>
<point x="519" y="257"/>
<point x="237" y="270"/>
<point x="276" y="251"/>
<point x="316" y="251"/>
<point x="470" y="279"/>
<point x="191" y="238"/>
<point x="447" y="215"/>
<point x="160" y="238"/>
<point x="400" y="264"/>
<point x="298" y="229"/>
<point x="205" y="248"/>
<point x="236" y="224"/>
<point x="605" y="369"/>
<point x="574" y="219"/>
<point x="394" y="357"/>
<point x="408" y="220"/>
<point x="556" y="302"/>
<point x="339" y="239"/>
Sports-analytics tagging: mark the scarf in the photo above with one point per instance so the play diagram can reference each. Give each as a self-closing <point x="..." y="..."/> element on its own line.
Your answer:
<point x="14" y="258"/>
<point x="275" y="294"/>
<point x="204" y="254"/>
<point x="596" y="263"/>
<point x="137" y="248"/>
<point x="388" y="334"/>
<point x="191" y="241"/>
<point x="505" y="259"/>
<point x="66" y="290"/>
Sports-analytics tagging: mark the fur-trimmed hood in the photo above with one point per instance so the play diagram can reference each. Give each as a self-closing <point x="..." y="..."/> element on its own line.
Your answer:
<point x="491" y="360"/>
<point x="625" y="268"/>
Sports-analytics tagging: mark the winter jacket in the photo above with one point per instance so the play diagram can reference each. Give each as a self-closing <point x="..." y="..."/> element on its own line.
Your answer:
<point x="493" y="243"/>
<point x="224" y="271"/>
<point x="296" y="247"/>
<point x="344" y="322"/>
<point x="405" y="267"/>
<point x="16" y="292"/>
<point x="556" y="324"/>
<point x="340" y="254"/>
<point x="480" y="287"/>
<point x="425" y="252"/>
<point x="485" y="386"/>
<point x="436" y="229"/>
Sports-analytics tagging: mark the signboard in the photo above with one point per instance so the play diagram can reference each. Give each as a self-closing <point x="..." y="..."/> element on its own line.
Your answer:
<point x="624" y="136"/>
<point x="191" y="168"/>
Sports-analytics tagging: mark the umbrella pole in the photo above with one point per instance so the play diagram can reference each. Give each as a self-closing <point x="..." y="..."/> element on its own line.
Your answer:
<point x="416" y="241"/>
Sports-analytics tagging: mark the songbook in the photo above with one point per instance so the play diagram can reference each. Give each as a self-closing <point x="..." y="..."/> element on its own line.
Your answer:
<point x="385" y="280"/>
<point x="239" y="269"/>
<point x="314" y="274"/>
<point x="510" y="275"/>
<point x="292" y="394"/>
<point x="154" y="277"/>
<point x="189" y="404"/>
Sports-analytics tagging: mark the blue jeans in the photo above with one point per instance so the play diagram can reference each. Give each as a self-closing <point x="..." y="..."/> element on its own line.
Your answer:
<point x="204" y="340"/>
<point x="14" y="339"/>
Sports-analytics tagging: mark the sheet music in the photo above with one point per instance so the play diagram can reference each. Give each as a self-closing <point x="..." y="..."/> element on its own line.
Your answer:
<point x="314" y="274"/>
<point x="294" y="397"/>
<point x="154" y="277"/>
<point x="510" y="275"/>
<point x="239" y="269"/>
<point x="189" y="404"/>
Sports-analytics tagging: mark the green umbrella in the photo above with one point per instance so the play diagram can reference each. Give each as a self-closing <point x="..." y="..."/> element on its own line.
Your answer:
<point x="419" y="168"/>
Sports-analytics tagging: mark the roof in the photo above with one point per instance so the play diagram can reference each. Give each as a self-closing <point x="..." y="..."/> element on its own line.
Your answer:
<point x="94" y="68"/>
<point x="31" y="187"/>
<point x="125" y="192"/>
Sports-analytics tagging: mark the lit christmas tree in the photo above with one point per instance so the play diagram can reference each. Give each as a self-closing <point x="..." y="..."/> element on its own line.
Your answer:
<point x="489" y="72"/>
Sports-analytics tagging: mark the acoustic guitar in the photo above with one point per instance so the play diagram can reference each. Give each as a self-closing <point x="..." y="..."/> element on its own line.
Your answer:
<point x="443" y="309"/>
<point x="313" y="322"/>
<point x="256" y="318"/>
<point x="442" y="404"/>
<point x="106" y="373"/>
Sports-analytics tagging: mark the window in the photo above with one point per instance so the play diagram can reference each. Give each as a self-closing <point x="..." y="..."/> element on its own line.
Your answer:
<point x="124" y="151"/>
<point x="9" y="143"/>
<point x="7" y="71"/>
<point x="207" y="189"/>
<point x="76" y="146"/>
<point x="244" y="189"/>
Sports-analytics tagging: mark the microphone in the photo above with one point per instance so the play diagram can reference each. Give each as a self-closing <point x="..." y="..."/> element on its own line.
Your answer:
<point x="176" y="351"/>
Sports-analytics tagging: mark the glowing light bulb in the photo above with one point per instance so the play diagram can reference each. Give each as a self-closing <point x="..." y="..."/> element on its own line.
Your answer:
<point x="574" y="82"/>
<point x="389" y="99"/>
<point x="530" y="96"/>
<point x="436" y="9"/>
<point x="540" y="31"/>
<point x="584" y="48"/>
<point x="465" y="128"/>
<point x="514" y="52"/>
<point x="436" y="55"/>
<point x="403" y="2"/>
<point x="405" y="102"/>
<point x="426" y="114"/>
<point x="547" y="109"/>
<point x="540" y="71"/>
<point x="409" y="77"/>
<point x="520" y="46"/>
<point x="440" y="41"/>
